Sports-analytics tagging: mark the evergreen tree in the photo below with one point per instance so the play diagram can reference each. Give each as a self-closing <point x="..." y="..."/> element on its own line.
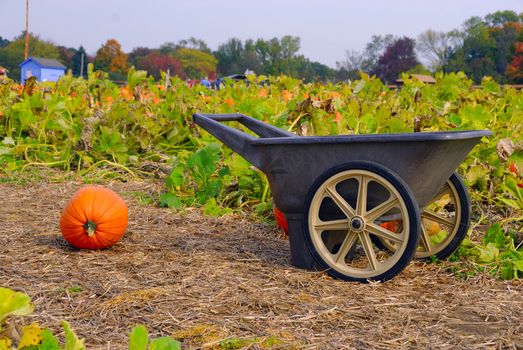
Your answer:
<point x="77" y="68"/>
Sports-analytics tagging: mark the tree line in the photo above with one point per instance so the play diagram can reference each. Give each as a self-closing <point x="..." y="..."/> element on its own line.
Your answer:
<point x="483" y="46"/>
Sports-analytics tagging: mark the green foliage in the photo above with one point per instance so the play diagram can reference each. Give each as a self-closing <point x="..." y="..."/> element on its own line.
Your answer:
<point x="14" y="304"/>
<point x="72" y="342"/>
<point x="35" y="338"/>
<point x="93" y="128"/>
<point x="196" y="64"/>
<point x="12" y="54"/>
<point x="139" y="339"/>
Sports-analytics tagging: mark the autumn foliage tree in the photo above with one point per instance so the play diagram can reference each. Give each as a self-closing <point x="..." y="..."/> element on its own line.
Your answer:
<point x="196" y="63"/>
<point x="154" y="63"/>
<point x="398" y="57"/>
<point x="110" y="57"/>
<point x="12" y="54"/>
<point x="515" y="69"/>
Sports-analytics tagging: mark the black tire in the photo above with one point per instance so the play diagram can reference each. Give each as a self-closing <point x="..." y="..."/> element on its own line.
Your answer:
<point x="462" y="223"/>
<point x="407" y="206"/>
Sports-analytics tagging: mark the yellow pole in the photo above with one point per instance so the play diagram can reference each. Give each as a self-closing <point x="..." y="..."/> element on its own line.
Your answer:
<point x="26" y="29"/>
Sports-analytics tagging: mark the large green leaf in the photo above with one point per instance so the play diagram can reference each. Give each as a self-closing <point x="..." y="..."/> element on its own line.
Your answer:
<point x="72" y="342"/>
<point x="139" y="338"/>
<point x="14" y="303"/>
<point x="164" y="343"/>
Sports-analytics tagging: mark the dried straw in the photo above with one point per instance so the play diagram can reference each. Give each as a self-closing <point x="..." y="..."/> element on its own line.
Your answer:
<point x="205" y="280"/>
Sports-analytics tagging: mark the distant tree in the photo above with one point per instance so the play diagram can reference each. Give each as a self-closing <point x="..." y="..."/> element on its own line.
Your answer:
<point x="351" y="66"/>
<point x="515" y="67"/>
<point x="398" y="57"/>
<point x="375" y="49"/>
<point x="249" y="59"/>
<point x="275" y="55"/>
<point x="435" y="47"/>
<point x="196" y="63"/>
<point x="137" y="54"/>
<point x="499" y="18"/>
<point x="77" y="62"/>
<point x="155" y="62"/>
<point x="365" y="61"/>
<point x="343" y="75"/>
<point x="229" y="56"/>
<point x="504" y="38"/>
<point x="289" y="46"/>
<point x="476" y="54"/>
<point x="3" y="42"/>
<point x="193" y="43"/>
<point x="311" y="71"/>
<point x="12" y="54"/>
<point x="111" y="58"/>
<point x="66" y="55"/>
<point x="168" y="48"/>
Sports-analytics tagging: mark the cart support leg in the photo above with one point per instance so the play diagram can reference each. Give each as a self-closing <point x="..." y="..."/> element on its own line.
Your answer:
<point x="300" y="254"/>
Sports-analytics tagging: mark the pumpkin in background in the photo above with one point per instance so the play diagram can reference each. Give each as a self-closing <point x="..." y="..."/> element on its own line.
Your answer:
<point x="96" y="217"/>
<point x="280" y="219"/>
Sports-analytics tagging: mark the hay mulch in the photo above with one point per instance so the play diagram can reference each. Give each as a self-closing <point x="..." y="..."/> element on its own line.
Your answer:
<point x="228" y="283"/>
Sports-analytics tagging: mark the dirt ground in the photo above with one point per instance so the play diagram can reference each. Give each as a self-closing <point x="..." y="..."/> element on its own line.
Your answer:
<point x="228" y="283"/>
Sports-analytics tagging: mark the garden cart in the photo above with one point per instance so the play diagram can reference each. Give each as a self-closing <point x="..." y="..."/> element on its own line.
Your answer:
<point x="359" y="206"/>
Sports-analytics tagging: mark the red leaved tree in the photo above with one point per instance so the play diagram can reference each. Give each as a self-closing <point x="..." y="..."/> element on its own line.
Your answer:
<point x="515" y="68"/>
<point x="398" y="57"/>
<point x="156" y="62"/>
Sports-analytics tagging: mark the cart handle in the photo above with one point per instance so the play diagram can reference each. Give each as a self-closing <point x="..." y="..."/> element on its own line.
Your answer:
<point x="239" y="141"/>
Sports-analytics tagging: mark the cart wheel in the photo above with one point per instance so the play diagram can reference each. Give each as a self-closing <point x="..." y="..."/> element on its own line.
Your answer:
<point x="450" y="212"/>
<point x="344" y="209"/>
<point x="444" y="222"/>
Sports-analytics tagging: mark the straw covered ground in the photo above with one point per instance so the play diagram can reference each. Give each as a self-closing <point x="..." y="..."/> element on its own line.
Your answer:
<point x="228" y="283"/>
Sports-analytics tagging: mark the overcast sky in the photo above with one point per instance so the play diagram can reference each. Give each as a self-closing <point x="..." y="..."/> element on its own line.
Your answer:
<point x="327" y="28"/>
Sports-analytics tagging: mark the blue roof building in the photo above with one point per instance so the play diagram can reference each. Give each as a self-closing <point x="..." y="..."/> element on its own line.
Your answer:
<point x="44" y="69"/>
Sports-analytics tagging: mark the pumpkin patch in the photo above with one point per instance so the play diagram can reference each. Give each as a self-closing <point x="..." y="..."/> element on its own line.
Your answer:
<point x="94" y="218"/>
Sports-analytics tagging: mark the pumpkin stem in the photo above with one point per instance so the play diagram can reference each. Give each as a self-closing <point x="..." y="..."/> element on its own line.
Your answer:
<point x="90" y="228"/>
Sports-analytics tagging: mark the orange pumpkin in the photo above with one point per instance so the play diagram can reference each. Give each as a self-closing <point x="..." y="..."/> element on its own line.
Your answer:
<point x="94" y="218"/>
<point x="393" y="225"/>
<point x="280" y="219"/>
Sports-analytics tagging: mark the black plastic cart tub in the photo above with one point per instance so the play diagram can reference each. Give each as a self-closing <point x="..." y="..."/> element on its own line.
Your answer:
<point x="339" y="194"/>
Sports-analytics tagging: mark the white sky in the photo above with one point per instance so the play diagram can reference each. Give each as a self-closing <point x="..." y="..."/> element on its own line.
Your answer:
<point x="327" y="28"/>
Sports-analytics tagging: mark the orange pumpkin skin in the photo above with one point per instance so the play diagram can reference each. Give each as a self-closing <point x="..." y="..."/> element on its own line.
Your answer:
<point x="95" y="218"/>
<point x="280" y="219"/>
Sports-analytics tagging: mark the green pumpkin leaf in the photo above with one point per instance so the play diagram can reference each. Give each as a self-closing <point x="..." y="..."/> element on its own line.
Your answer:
<point x="488" y="254"/>
<point x="496" y="235"/>
<point x="72" y="342"/>
<point x="518" y="264"/>
<point x="139" y="338"/>
<point x="14" y="303"/>
<point x="164" y="343"/>
<point x="170" y="200"/>
<point x="49" y="341"/>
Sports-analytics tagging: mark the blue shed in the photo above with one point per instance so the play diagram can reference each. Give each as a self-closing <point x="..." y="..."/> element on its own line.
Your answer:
<point x="44" y="69"/>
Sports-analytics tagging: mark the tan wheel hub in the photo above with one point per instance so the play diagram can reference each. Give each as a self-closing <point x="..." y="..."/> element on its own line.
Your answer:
<point x="357" y="224"/>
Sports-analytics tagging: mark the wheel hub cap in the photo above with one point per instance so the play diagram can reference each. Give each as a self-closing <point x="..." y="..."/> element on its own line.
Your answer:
<point x="357" y="224"/>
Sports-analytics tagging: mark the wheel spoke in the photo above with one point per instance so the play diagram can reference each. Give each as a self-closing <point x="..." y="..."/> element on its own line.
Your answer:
<point x="382" y="209"/>
<point x="332" y="225"/>
<point x="384" y="233"/>
<point x="425" y="240"/>
<point x="347" y="244"/>
<point x="340" y="201"/>
<point x="361" y="201"/>
<point x="369" y="250"/>
<point x="432" y="216"/>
